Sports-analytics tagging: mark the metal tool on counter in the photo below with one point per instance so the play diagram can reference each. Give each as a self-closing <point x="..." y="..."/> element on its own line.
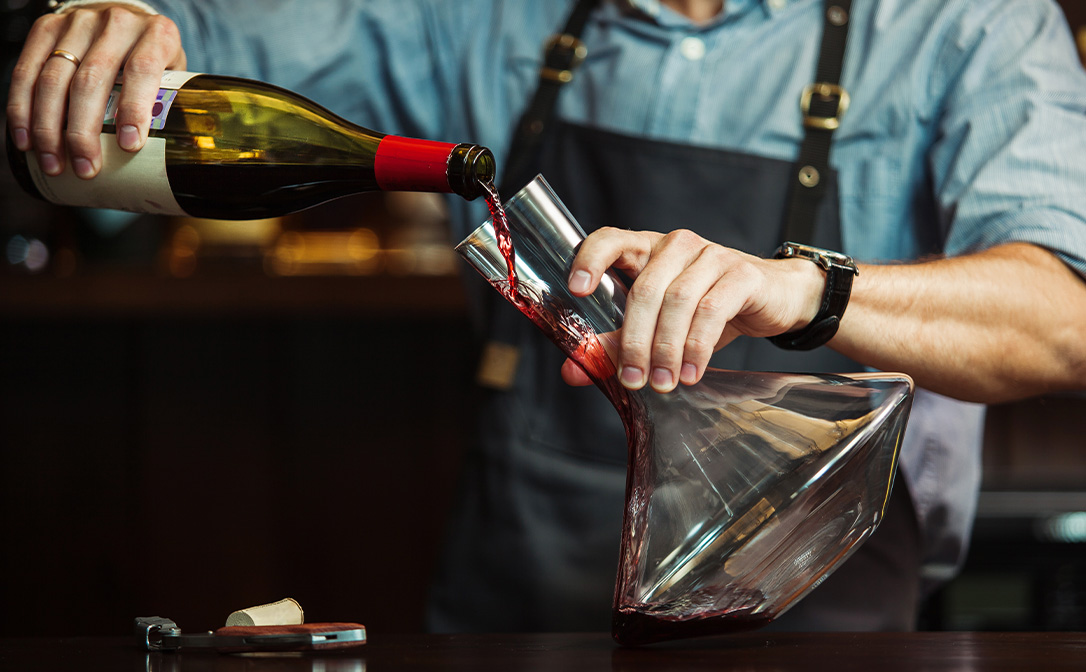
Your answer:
<point x="273" y="627"/>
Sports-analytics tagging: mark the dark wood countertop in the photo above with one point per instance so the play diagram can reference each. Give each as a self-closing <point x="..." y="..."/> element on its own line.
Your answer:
<point x="885" y="652"/>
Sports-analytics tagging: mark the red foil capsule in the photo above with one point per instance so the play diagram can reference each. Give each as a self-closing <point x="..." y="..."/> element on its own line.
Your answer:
<point x="407" y="164"/>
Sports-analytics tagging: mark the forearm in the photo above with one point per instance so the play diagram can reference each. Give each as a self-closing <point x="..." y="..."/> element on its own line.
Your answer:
<point x="1006" y="323"/>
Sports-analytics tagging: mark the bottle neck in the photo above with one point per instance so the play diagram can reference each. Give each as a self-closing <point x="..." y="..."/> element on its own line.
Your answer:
<point x="471" y="168"/>
<point x="408" y="164"/>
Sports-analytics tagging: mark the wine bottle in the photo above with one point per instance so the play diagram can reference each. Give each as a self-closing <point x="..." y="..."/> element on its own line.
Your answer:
<point x="228" y="148"/>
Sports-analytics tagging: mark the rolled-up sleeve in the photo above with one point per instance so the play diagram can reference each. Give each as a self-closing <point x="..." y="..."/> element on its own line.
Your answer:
<point x="1009" y="163"/>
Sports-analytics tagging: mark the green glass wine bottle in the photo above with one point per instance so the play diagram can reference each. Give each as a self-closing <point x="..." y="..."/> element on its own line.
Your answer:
<point x="229" y="148"/>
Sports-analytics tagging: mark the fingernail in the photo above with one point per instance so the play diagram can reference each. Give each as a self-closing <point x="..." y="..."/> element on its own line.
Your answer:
<point x="82" y="167"/>
<point x="688" y="374"/>
<point x="632" y="377"/>
<point x="50" y="164"/>
<point x="129" y="137"/>
<point x="21" y="138"/>
<point x="579" y="283"/>
<point x="661" y="379"/>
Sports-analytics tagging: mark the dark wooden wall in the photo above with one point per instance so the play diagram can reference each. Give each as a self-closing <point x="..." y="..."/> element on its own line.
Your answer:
<point x="190" y="467"/>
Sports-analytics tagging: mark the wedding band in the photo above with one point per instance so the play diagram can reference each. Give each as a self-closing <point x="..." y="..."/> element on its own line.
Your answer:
<point x="66" y="55"/>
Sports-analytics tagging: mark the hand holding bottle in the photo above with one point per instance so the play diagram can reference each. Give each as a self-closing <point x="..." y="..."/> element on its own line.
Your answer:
<point x="47" y="86"/>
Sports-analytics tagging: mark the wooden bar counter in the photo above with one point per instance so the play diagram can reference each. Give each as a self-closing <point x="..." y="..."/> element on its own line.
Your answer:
<point x="810" y="652"/>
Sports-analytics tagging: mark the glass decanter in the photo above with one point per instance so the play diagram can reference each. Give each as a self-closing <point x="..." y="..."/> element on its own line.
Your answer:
<point x="743" y="491"/>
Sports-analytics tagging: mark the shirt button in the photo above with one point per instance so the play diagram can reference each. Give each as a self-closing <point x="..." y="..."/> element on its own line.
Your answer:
<point x="777" y="5"/>
<point x="692" y="48"/>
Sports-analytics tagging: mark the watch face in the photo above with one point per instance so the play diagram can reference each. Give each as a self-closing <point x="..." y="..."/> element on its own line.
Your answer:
<point x="824" y="258"/>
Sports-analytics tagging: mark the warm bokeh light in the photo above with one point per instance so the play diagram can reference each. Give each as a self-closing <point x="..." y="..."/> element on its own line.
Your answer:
<point x="356" y="252"/>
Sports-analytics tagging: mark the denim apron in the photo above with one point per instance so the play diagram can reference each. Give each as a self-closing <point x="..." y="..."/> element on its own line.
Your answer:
<point x="533" y="540"/>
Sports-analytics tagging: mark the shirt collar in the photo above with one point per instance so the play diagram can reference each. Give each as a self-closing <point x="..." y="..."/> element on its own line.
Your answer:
<point x="656" y="11"/>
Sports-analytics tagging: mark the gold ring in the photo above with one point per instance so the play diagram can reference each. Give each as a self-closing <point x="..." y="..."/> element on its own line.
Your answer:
<point x="66" y="55"/>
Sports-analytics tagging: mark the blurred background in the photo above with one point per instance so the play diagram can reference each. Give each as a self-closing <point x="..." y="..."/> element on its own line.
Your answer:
<point x="200" y="416"/>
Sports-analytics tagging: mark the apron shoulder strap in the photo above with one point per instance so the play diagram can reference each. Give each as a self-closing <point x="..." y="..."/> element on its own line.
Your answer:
<point x="823" y="104"/>
<point x="563" y="53"/>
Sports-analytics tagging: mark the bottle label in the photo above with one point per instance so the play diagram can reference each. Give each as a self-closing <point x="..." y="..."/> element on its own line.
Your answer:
<point x="159" y="110"/>
<point x="128" y="181"/>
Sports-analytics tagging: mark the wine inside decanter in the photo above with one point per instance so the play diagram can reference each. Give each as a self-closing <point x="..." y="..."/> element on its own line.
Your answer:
<point x="743" y="491"/>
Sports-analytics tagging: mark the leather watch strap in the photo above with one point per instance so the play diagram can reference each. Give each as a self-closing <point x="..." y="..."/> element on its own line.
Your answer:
<point x="840" y="270"/>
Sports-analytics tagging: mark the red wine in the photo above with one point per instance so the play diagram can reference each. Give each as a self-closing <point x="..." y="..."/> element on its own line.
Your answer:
<point x="505" y="240"/>
<point x="256" y="192"/>
<point x="634" y="627"/>
<point x="561" y="324"/>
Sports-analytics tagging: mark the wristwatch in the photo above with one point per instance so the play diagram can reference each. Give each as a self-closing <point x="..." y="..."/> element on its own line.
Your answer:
<point x="840" y="270"/>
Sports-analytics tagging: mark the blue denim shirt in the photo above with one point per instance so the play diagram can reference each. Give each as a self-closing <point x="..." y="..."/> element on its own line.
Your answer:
<point x="967" y="124"/>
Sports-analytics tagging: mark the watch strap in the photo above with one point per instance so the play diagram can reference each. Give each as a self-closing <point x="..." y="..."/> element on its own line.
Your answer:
<point x="835" y="298"/>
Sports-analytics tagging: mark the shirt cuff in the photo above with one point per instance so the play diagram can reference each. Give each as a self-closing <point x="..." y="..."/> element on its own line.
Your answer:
<point x="64" y="6"/>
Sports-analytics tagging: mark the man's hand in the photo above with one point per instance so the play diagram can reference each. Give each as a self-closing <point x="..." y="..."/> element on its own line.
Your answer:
<point x="689" y="298"/>
<point x="45" y="91"/>
<point x="1001" y="324"/>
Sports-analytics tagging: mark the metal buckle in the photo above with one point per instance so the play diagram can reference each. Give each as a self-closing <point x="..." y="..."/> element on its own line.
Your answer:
<point x="826" y="92"/>
<point x="576" y="51"/>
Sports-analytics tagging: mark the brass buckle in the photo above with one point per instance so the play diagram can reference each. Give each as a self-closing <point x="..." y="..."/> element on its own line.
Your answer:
<point x="577" y="52"/>
<point x="825" y="92"/>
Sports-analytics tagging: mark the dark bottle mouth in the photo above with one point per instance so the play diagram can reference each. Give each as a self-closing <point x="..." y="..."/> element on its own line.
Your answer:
<point x="471" y="167"/>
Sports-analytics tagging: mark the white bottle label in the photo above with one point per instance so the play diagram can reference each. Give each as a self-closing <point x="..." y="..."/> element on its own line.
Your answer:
<point x="128" y="181"/>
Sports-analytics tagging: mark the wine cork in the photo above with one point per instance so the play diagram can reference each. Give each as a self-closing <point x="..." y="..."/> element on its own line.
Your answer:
<point x="284" y="612"/>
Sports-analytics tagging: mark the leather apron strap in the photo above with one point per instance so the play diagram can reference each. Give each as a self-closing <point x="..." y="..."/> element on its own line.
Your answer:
<point x="564" y="52"/>
<point x="823" y="104"/>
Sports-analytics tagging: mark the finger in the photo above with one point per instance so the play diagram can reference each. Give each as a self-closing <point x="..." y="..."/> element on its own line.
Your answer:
<point x="604" y="248"/>
<point x="90" y="90"/>
<point x="93" y="86"/>
<point x="670" y="258"/>
<point x="593" y="359"/>
<point x="157" y="49"/>
<point x="53" y="96"/>
<point x="735" y="306"/>
<point x="712" y="326"/>
<point x="122" y="43"/>
<point x="49" y="93"/>
<point x="574" y="375"/>
<point x="738" y="290"/>
<point x="679" y="351"/>
<point x="40" y="42"/>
